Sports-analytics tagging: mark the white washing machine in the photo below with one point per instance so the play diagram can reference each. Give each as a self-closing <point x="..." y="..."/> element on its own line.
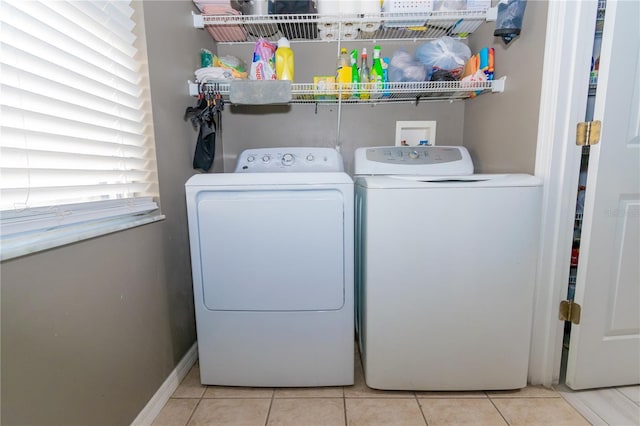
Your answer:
<point x="445" y="268"/>
<point x="272" y="262"/>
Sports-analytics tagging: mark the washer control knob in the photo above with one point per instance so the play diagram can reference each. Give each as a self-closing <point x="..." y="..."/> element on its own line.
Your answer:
<point x="251" y="159"/>
<point x="288" y="159"/>
<point x="310" y="157"/>
<point x="266" y="158"/>
<point x="414" y="154"/>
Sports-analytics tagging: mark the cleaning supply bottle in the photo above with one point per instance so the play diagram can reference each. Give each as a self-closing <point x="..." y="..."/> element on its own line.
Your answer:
<point x="377" y="74"/>
<point x="386" y="92"/>
<point x="284" y="60"/>
<point x="364" y="76"/>
<point x="355" y="74"/>
<point x="343" y="73"/>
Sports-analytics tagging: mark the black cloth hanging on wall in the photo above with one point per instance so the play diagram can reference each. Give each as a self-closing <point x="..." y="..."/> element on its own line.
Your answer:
<point x="205" y="146"/>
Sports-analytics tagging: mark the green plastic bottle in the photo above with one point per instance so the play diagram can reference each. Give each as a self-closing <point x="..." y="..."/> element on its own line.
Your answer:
<point x="377" y="74"/>
<point x="355" y="74"/>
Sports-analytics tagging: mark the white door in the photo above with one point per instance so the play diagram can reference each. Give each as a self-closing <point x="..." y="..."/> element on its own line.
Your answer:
<point x="605" y="347"/>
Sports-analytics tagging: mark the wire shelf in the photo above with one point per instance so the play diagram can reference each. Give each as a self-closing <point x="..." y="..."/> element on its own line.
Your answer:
<point x="314" y="27"/>
<point x="354" y="93"/>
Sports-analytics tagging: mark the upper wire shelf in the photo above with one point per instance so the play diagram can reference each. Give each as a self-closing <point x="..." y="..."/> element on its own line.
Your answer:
<point x="315" y="27"/>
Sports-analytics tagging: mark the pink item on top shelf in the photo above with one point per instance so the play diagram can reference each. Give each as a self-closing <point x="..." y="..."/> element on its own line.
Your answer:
<point x="201" y="4"/>
<point x="224" y="32"/>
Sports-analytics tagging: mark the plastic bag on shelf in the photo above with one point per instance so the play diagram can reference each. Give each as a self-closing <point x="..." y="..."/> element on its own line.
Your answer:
<point x="404" y="67"/>
<point x="232" y="64"/>
<point x="264" y="59"/>
<point x="444" y="53"/>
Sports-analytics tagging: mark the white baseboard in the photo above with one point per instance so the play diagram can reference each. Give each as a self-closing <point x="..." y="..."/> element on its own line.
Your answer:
<point x="160" y="398"/>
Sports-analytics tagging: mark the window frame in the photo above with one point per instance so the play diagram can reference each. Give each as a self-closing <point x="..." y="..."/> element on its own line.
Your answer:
<point x="34" y="229"/>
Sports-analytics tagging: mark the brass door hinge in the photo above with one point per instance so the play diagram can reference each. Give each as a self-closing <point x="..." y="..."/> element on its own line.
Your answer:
<point x="569" y="311"/>
<point x="588" y="133"/>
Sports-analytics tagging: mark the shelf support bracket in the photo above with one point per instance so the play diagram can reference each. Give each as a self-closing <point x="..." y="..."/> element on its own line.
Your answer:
<point x="498" y="85"/>
<point x="198" y="20"/>
<point x="193" y="88"/>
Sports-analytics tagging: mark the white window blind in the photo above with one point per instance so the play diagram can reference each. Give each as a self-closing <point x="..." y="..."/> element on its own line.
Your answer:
<point x="76" y="129"/>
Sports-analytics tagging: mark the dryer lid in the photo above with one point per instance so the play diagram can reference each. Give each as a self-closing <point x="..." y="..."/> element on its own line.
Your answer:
<point x="218" y="181"/>
<point x="416" y="160"/>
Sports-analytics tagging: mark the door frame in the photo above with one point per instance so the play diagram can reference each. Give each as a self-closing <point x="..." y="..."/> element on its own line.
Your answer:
<point x="563" y="102"/>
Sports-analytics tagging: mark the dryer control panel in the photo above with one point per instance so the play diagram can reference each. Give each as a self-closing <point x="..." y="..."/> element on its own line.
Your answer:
<point x="413" y="160"/>
<point x="279" y="160"/>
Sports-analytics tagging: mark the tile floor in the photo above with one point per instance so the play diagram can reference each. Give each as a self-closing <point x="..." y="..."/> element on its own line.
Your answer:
<point x="195" y="404"/>
<point x="606" y="406"/>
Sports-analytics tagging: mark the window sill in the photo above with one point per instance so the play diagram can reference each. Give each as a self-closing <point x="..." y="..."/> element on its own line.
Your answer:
<point x="24" y="244"/>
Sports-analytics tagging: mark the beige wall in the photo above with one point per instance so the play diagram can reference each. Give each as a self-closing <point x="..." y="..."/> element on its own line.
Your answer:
<point x="300" y="125"/>
<point x="501" y="130"/>
<point x="91" y="330"/>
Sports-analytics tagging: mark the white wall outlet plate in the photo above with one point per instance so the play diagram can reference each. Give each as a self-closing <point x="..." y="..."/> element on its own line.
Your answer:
<point x="414" y="133"/>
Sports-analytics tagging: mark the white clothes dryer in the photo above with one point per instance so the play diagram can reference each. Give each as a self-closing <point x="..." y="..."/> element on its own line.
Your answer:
<point x="272" y="262"/>
<point x="445" y="268"/>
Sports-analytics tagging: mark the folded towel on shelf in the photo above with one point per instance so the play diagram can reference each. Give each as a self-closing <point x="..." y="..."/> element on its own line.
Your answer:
<point x="224" y="32"/>
<point x="201" y="4"/>
<point x="213" y="74"/>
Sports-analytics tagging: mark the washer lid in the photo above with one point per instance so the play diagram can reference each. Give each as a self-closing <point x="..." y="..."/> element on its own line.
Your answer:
<point x="447" y="182"/>
<point x="416" y="160"/>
